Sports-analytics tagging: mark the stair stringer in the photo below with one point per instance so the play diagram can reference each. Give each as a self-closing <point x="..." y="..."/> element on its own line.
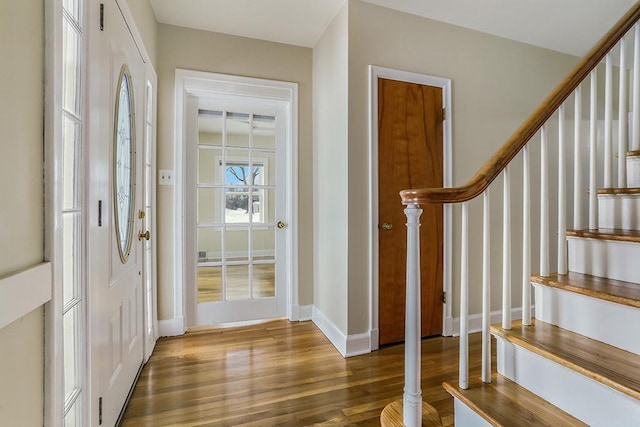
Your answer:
<point x="574" y="393"/>
<point x="613" y="324"/>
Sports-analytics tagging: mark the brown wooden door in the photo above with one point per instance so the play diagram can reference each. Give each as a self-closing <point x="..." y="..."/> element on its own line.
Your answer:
<point x="410" y="155"/>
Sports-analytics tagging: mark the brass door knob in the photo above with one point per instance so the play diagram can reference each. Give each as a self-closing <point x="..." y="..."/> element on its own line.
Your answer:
<point x="387" y="226"/>
<point x="281" y="225"/>
<point x="146" y="235"/>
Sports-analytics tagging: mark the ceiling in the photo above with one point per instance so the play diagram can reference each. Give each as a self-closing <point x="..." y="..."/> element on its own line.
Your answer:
<point x="569" y="26"/>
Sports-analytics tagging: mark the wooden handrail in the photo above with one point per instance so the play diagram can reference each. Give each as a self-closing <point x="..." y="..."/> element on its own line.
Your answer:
<point x="495" y="165"/>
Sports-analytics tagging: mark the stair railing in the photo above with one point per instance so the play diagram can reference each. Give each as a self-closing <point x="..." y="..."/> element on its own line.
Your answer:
<point x="614" y="43"/>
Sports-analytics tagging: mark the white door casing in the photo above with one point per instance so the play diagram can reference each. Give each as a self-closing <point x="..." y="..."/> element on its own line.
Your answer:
<point x="225" y="87"/>
<point x="115" y="282"/>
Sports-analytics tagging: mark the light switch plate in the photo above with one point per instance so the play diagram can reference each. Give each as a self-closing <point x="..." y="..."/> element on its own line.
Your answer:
<point x="165" y="177"/>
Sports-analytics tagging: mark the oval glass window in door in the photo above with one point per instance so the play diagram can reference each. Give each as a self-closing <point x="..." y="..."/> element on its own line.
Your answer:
<point x="123" y="165"/>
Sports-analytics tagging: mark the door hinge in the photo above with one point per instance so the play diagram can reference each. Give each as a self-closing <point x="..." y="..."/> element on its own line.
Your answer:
<point x="444" y="297"/>
<point x="99" y="411"/>
<point x="101" y="16"/>
<point x="444" y="114"/>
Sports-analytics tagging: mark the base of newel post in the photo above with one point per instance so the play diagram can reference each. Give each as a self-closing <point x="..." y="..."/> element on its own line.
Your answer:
<point x="392" y="415"/>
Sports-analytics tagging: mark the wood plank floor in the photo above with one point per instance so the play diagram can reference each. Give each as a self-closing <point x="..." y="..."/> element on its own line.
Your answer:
<point x="282" y="373"/>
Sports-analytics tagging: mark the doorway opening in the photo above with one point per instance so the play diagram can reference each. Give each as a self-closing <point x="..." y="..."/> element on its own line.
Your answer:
<point x="236" y="193"/>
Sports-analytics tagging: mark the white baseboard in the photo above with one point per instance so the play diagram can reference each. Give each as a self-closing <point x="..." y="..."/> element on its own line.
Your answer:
<point x="171" y="327"/>
<point x="347" y="345"/>
<point x="475" y="320"/>
<point x="301" y="313"/>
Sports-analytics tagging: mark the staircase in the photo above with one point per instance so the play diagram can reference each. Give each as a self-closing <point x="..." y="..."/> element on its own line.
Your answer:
<point x="577" y="360"/>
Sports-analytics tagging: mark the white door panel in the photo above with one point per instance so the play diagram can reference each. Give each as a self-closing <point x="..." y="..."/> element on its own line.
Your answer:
<point x="116" y="321"/>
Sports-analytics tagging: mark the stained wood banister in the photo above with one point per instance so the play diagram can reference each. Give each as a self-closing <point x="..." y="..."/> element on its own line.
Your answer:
<point x="496" y="164"/>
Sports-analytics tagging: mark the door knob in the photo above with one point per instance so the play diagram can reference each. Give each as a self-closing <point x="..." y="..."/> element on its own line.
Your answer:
<point x="146" y="235"/>
<point x="387" y="226"/>
<point x="281" y="225"/>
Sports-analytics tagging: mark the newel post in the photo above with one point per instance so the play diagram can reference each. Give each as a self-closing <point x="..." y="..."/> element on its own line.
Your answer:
<point x="412" y="398"/>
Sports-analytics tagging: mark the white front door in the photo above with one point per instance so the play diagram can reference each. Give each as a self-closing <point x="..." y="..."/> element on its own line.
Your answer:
<point x="236" y="210"/>
<point x="116" y="99"/>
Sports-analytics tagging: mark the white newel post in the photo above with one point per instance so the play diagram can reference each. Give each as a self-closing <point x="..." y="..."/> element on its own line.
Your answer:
<point x="412" y="398"/>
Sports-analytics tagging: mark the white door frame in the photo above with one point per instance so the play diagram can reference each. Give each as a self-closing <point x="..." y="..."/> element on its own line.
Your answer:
<point x="376" y="73"/>
<point x="204" y="84"/>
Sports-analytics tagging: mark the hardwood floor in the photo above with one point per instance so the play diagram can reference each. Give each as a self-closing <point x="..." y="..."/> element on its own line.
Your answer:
<point x="210" y="282"/>
<point x="282" y="373"/>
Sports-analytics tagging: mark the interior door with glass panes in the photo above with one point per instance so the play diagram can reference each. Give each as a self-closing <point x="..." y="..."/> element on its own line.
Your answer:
<point x="240" y="223"/>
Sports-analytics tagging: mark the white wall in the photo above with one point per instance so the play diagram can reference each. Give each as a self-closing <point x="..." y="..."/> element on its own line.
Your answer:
<point x="330" y="168"/>
<point x="219" y="53"/>
<point x="21" y="210"/>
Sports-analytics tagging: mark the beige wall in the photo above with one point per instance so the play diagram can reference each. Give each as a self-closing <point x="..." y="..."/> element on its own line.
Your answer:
<point x="331" y="195"/>
<point x="21" y="210"/>
<point x="205" y="51"/>
<point x="496" y="84"/>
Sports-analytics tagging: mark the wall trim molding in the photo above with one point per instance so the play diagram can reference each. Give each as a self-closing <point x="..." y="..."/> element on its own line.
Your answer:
<point x="301" y="313"/>
<point x="347" y="345"/>
<point x="24" y="291"/>
<point x="171" y="327"/>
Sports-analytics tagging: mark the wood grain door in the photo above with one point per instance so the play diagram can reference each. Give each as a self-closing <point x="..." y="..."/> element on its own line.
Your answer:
<point x="410" y="155"/>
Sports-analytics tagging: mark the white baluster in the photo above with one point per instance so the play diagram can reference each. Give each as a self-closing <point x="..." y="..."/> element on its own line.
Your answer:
<point x="635" y="143"/>
<point x="506" y="251"/>
<point x="623" y="130"/>
<point x="412" y="398"/>
<point x="486" y="289"/>
<point x="464" y="304"/>
<point x="593" y="152"/>
<point x="562" y="203"/>
<point x="544" y="204"/>
<point x="526" y="238"/>
<point x="577" y="160"/>
<point x="608" y="122"/>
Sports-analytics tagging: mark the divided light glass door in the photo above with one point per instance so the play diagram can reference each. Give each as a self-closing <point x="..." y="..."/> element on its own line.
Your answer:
<point x="239" y="274"/>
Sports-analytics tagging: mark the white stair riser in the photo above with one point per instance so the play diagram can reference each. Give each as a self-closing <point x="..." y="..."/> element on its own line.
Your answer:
<point x="576" y="394"/>
<point x="605" y="258"/>
<point x="614" y="324"/>
<point x="619" y="211"/>
<point x="633" y="171"/>
<point x="467" y="417"/>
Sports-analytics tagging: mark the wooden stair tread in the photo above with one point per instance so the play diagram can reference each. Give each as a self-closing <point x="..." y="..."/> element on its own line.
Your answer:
<point x="607" y="234"/>
<point x="616" y="191"/>
<point x="611" y="366"/>
<point x="616" y="291"/>
<point x="505" y="403"/>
